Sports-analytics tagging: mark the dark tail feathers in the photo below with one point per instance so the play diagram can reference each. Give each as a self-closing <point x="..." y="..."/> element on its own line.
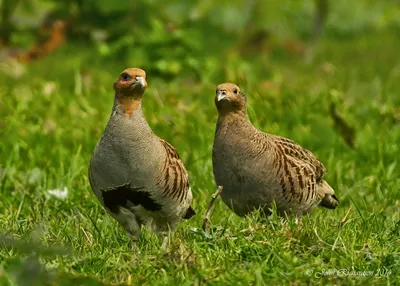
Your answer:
<point x="329" y="201"/>
<point x="189" y="213"/>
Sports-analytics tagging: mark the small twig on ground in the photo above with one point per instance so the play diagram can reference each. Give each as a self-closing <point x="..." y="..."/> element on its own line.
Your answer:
<point x="210" y="209"/>
<point x="344" y="219"/>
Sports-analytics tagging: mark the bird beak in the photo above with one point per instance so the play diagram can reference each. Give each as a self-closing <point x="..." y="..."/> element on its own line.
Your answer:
<point x="140" y="81"/>
<point x="221" y="95"/>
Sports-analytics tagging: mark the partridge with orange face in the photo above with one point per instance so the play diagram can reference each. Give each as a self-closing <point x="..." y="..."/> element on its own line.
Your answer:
<point x="256" y="169"/>
<point x="138" y="177"/>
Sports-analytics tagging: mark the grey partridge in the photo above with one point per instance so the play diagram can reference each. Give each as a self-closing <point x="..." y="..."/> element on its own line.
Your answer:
<point x="138" y="177"/>
<point x="257" y="169"/>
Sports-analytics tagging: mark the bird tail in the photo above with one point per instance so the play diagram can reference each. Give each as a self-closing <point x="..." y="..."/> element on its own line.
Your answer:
<point x="329" y="199"/>
<point x="189" y="213"/>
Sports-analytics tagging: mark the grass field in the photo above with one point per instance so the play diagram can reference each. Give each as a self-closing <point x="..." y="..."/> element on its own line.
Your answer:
<point x="53" y="114"/>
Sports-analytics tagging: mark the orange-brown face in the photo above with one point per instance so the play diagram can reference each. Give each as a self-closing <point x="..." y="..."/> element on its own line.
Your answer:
<point x="229" y="98"/>
<point x="131" y="83"/>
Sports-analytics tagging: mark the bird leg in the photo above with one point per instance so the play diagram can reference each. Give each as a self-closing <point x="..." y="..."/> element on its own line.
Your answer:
<point x="129" y="222"/>
<point x="165" y="237"/>
<point x="165" y="240"/>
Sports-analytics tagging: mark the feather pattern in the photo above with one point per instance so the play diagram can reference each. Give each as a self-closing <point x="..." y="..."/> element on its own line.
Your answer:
<point x="175" y="179"/>
<point x="257" y="168"/>
<point x="138" y="177"/>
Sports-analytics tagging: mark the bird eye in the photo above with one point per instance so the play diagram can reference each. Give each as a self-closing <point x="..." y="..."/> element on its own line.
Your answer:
<point x="125" y="76"/>
<point x="235" y="91"/>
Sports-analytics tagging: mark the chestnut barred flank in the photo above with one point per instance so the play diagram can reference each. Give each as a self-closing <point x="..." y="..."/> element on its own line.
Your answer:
<point x="175" y="182"/>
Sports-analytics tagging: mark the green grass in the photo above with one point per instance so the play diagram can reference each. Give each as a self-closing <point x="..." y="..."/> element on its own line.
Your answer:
<point x="52" y="116"/>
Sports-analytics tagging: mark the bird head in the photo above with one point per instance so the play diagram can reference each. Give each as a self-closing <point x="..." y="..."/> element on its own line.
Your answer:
<point x="229" y="99"/>
<point x="131" y="83"/>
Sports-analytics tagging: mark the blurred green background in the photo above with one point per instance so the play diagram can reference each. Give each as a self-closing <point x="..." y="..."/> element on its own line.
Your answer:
<point x="191" y="38"/>
<point x="323" y="73"/>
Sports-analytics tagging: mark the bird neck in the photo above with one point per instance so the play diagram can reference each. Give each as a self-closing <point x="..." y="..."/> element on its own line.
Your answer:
<point x="127" y="105"/>
<point x="233" y="119"/>
<point x="134" y="127"/>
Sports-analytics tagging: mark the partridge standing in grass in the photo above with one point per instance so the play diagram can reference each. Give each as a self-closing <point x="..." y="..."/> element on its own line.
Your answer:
<point x="257" y="169"/>
<point x="138" y="177"/>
